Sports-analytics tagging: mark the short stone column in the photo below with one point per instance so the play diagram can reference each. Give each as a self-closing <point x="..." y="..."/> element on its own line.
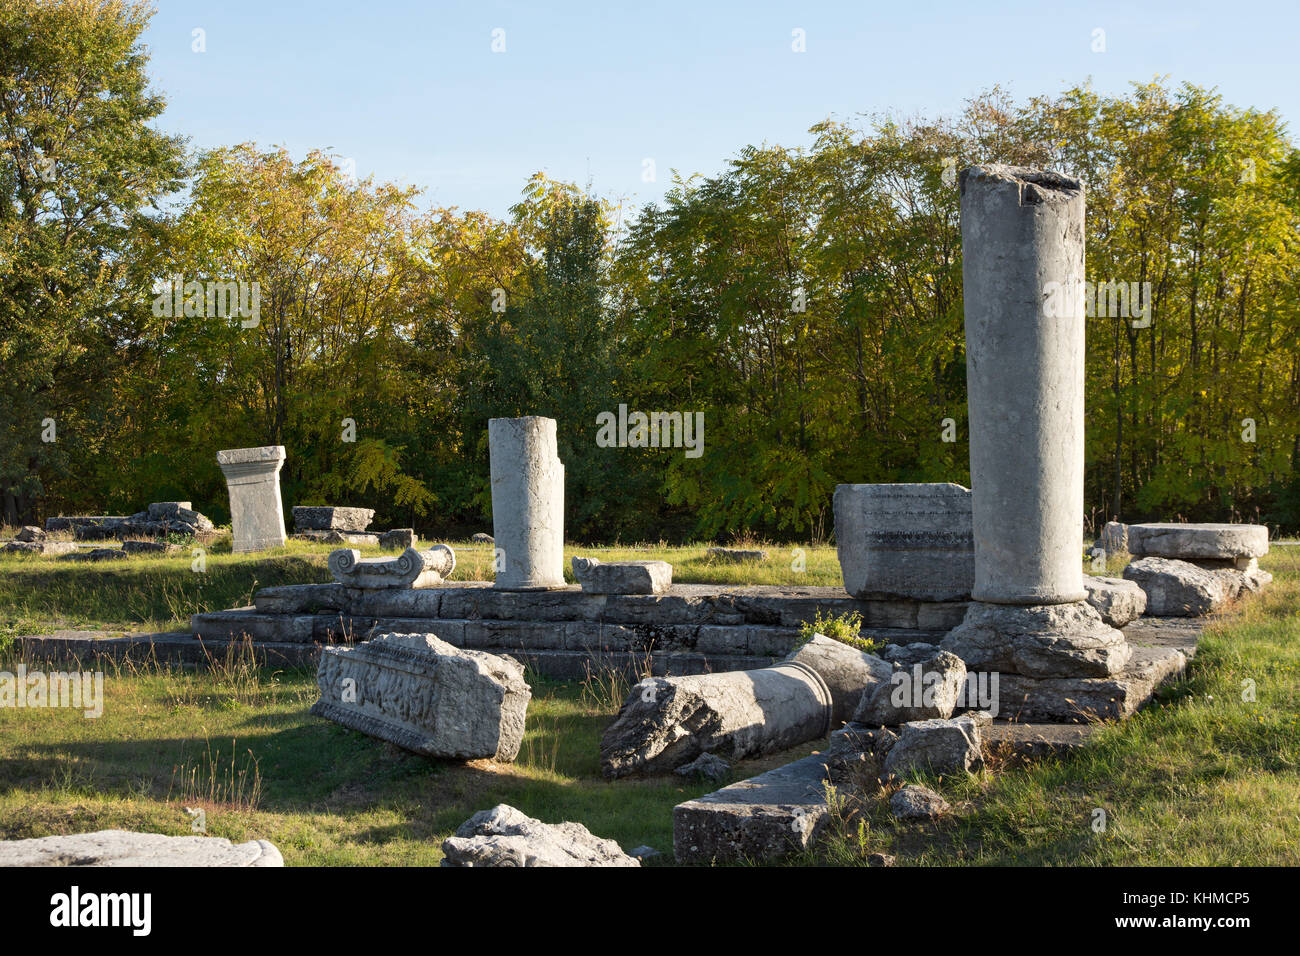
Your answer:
<point x="256" y="512"/>
<point x="1022" y="274"/>
<point x="527" y="503"/>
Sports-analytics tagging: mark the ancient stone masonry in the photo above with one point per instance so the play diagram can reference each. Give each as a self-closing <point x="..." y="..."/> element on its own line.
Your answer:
<point x="308" y="518"/>
<point x="527" y="503"/>
<point x="256" y="511"/>
<point x="1194" y="569"/>
<point x="623" y="577"/>
<point x="412" y="569"/>
<point x="689" y="629"/>
<point x="426" y="696"/>
<point x="160" y="519"/>
<point x="905" y="540"/>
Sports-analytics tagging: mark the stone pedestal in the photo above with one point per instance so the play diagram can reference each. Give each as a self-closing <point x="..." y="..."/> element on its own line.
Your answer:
<point x="905" y="540"/>
<point x="256" y="512"/>
<point x="527" y="503"/>
<point x="1022" y="272"/>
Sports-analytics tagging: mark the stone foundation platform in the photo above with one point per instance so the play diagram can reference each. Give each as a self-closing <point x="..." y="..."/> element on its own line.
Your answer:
<point x="690" y="629"/>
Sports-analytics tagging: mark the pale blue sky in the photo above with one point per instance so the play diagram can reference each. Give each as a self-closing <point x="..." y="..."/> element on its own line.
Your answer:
<point x="413" y="93"/>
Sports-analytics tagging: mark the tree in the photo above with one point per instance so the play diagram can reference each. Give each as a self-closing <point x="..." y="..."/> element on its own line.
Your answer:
<point x="80" y="172"/>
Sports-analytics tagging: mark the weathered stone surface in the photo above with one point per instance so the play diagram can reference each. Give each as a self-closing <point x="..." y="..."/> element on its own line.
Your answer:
<point x="847" y="671"/>
<point x="1190" y="542"/>
<point x="504" y="836"/>
<point x="398" y="539"/>
<point x="1089" y="699"/>
<point x="776" y="813"/>
<point x="1113" y="538"/>
<point x="1054" y="640"/>
<point x="937" y="746"/>
<point x="1117" y="600"/>
<point x="1253" y="578"/>
<point x="905" y="655"/>
<point x="705" y="766"/>
<point x="162" y="510"/>
<point x="736" y="555"/>
<point x="411" y="569"/>
<point x="928" y="689"/>
<point x="527" y="502"/>
<point x="149" y="547"/>
<point x="311" y="518"/>
<point x="101" y="554"/>
<point x="481" y="538"/>
<point x="914" y="802"/>
<point x="30" y="533"/>
<point x="1181" y="589"/>
<point x="623" y="577"/>
<point x="256" y="511"/>
<point x="124" y="848"/>
<point x="1023" y="278"/>
<point x="669" y="721"/>
<point x="905" y="540"/>
<point x="425" y="695"/>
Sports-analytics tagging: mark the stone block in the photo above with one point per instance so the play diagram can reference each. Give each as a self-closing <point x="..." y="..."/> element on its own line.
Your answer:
<point x="937" y="746"/>
<point x="737" y="555"/>
<point x="849" y="673"/>
<point x="1117" y="600"/>
<point x="623" y="577"/>
<point x="398" y="539"/>
<point x="256" y="511"/>
<point x="426" y="696"/>
<point x="316" y="518"/>
<point x="1177" y="588"/>
<point x="766" y="817"/>
<point x="1189" y="542"/>
<point x="930" y="688"/>
<point x="905" y="541"/>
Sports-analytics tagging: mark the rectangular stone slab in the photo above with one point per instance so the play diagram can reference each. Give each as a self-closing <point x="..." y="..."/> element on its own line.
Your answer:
<point x="774" y="814"/>
<point x="426" y="696"/>
<point x="313" y="518"/>
<point x="905" y="541"/>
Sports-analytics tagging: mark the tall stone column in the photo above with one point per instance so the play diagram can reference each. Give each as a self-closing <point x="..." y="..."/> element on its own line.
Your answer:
<point x="527" y="503"/>
<point x="253" y="480"/>
<point x="1022" y="274"/>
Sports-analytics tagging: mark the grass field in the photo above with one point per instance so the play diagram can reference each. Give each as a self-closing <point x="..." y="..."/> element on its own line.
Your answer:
<point x="1202" y="777"/>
